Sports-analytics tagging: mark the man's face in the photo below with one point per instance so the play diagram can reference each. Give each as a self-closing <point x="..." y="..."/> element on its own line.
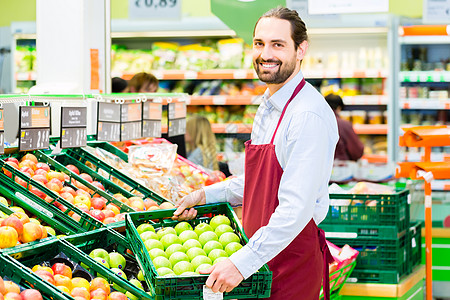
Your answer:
<point x="275" y="58"/>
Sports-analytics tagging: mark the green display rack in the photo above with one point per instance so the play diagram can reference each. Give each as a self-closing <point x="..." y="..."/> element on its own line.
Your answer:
<point x="361" y="231"/>
<point x="86" y="221"/>
<point x="85" y="157"/>
<point x="370" y="210"/>
<point x="110" y="148"/>
<point x="26" y="256"/>
<point x="191" y="287"/>
<point x="20" y="275"/>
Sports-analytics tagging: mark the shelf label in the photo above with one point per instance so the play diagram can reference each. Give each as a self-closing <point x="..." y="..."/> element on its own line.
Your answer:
<point x="108" y="112"/>
<point x="34" y="129"/>
<point x="154" y="9"/>
<point x="151" y="123"/>
<point x="131" y="112"/>
<point x="152" y="111"/>
<point x="2" y="133"/>
<point x="176" y="118"/>
<point x="34" y="205"/>
<point x="151" y="128"/>
<point x="219" y="100"/>
<point x="347" y="6"/>
<point x="108" y="131"/>
<point x="73" y="127"/>
<point x="436" y="11"/>
<point x="130" y="131"/>
<point x="240" y="74"/>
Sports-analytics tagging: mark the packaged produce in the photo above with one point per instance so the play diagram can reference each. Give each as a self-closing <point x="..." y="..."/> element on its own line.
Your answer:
<point x="196" y="58"/>
<point x="230" y="53"/>
<point x="164" y="55"/>
<point x="358" y="116"/>
<point x="375" y="117"/>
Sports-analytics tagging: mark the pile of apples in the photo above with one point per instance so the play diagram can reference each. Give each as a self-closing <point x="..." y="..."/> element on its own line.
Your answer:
<point x="182" y="250"/>
<point x="18" y="228"/>
<point x="11" y="291"/>
<point x="60" y="275"/>
<point x="116" y="262"/>
<point x="138" y="204"/>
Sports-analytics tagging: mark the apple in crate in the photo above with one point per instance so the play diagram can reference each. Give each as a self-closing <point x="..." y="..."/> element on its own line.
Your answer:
<point x="73" y="169"/>
<point x="8" y="237"/>
<point x="31" y="294"/>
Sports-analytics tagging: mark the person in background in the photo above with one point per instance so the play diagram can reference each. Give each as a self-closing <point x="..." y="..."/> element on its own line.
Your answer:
<point x="288" y="163"/>
<point x="143" y="83"/>
<point x="119" y="85"/>
<point x="349" y="146"/>
<point x="201" y="142"/>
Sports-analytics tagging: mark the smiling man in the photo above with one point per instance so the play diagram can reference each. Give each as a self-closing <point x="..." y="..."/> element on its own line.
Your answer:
<point x="288" y="162"/>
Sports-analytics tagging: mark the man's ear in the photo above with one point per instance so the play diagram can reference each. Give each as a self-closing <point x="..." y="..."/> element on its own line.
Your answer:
<point x="301" y="50"/>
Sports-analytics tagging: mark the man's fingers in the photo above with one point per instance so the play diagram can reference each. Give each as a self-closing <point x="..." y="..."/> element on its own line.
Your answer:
<point x="223" y="288"/>
<point x="207" y="271"/>
<point x="229" y="289"/>
<point x="181" y="207"/>
<point x="211" y="278"/>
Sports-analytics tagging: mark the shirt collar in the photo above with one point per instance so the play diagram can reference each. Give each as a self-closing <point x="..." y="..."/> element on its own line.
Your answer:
<point x="280" y="98"/>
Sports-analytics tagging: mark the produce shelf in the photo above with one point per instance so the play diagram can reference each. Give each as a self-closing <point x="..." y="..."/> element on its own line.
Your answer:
<point x="366" y="100"/>
<point x="424" y="103"/>
<point x="370" y="128"/>
<point x="425" y="76"/>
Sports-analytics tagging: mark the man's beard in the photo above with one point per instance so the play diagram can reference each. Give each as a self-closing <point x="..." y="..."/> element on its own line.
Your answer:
<point x="277" y="77"/>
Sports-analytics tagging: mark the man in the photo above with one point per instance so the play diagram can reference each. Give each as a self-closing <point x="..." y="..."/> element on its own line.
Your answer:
<point x="349" y="146"/>
<point x="143" y="83"/>
<point x="288" y="164"/>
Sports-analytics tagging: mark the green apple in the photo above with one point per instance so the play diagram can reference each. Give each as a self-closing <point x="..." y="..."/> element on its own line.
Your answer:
<point x="161" y="261"/>
<point x="216" y="253"/>
<point x="4" y="201"/>
<point x="193" y="252"/>
<point x="175" y="248"/>
<point x="145" y="227"/>
<point x="50" y="230"/>
<point x="219" y="259"/>
<point x="188" y="235"/>
<point x="17" y="209"/>
<point x="131" y="296"/>
<point x="170" y="239"/>
<point x="211" y="245"/>
<point x="137" y="283"/>
<point x="200" y="260"/>
<point x="121" y="274"/>
<point x="166" y="230"/>
<point x="192" y="244"/>
<point x="163" y="271"/>
<point x="177" y="257"/>
<point x="222" y="228"/>
<point x="182" y="226"/>
<point x="35" y="221"/>
<point x="102" y="261"/>
<point x="206" y="237"/>
<point x="151" y="243"/>
<point x="232" y="247"/>
<point x="100" y="253"/>
<point x="202" y="227"/>
<point x="203" y="267"/>
<point x="148" y="235"/>
<point x="182" y="266"/>
<point x="140" y="276"/>
<point x="155" y="252"/>
<point x="228" y="237"/>
<point x="218" y="220"/>
<point x="116" y="260"/>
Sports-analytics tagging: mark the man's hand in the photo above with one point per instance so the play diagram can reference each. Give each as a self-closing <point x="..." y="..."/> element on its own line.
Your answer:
<point x="224" y="276"/>
<point x="195" y="198"/>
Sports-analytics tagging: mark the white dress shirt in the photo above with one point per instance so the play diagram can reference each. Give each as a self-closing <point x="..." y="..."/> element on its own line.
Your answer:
<point x="304" y="145"/>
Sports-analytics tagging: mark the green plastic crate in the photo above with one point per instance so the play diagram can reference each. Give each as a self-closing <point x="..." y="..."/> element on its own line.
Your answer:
<point x="27" y="256"/>
<point x="84" y="157"/>
<point x="338" y="279"/>
<point x="375" y="276"/>
<point x="415" y="238"/>
<point x="361" y="231"/>
<point x="110" y="148"/>
<point x="191" y="287"/>
<point x="28" y="280"/>
<point x="86" y="222"/>
<point x="109" y="240"/>
<point x="373" y="210"/>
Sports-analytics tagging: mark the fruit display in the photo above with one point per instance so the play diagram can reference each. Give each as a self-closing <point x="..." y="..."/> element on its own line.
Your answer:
<point x="9" y="290"/>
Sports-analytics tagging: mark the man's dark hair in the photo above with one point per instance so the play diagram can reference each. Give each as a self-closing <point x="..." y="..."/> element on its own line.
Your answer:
<point x="298" y="27"/>
<point x="118" y="85"/>
<point x="335" y="101"/>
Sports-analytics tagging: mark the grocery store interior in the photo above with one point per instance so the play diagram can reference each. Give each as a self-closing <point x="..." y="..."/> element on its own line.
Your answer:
<point x="112" y="111"/>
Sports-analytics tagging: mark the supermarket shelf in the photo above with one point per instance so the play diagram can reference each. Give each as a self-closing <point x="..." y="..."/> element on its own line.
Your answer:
<point x="223" y="100"/>
<point x="425" y="30"/>
<point x="425" y="76"/>
<point x="232" y="128"/>
<point x="370" y="128"/>
<point x="424" y="103"/>
<point x="366" y="100"/>
<point x="250" y="74"/>
<point x="25" y="76"/>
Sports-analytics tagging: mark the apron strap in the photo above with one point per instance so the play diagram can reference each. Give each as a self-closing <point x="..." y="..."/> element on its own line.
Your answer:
<point x="327" y="259"/>
<point x="296" y="91"/>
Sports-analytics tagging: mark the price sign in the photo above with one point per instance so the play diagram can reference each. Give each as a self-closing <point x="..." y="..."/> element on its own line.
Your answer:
<point x="154" y="9"/>
<point x="108" y="122"/>
<point x="107" y="131"/>
<point x="131" y="121"/>
<point x="176" y="118"/>
<point x="130" y="131"/>
<point x="131" y="112"/>
<point x="2" y="133"/>
<point x="151" y="123"/>
<point x="73" y="127"/>
<point x="34" y="127"/>
<point x="108" y="112"/>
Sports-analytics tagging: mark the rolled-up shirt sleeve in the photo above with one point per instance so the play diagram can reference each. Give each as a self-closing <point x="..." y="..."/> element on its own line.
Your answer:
<point x="231" y="190"/>
<point x="307" y="156"/>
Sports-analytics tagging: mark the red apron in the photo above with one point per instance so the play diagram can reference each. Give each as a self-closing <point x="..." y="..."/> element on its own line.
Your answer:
<point x="298" y="270"/>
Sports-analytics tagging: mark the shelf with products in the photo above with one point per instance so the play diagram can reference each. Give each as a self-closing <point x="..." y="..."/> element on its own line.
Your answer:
<point x="425" y="76"/>
<point x="425" y="103"/>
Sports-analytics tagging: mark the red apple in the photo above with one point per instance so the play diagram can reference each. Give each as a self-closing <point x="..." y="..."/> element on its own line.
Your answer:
<point x="2" y="286"/>
<point x="68" y="189"/>
<point x="110" y="220"/>
<point x="12" y="164"/>
<point x="15" y="223"/>
<point x="62" y="269"/>
<point x="42" y="272"/>
<point x="40" y="178"/>
<point x="68" y="196"/>
<point x="54" y="174"/>
<point x="12" y="296"/>
<point x="98" y="294"/>
<point x="8" y="237"/>
<point x="31" y="294"/>
<point x="108" y="213"/>
<point x="23" y="217"/>
<point x="120" y="217"/>
<point x="83" y="192"/>
<point x="13" y="159"/>
<point x="80" y="292"/>
<point x="100" y="283"/>
<point x="27" y="169"/>
<point x="86" y="177"/>
<point x="99" y="185"/>
<point x="31" y="232"/>
<point x="37" y="192"/>
<point x="148" y="203"/>
<point x="73" y="169"/>
<point x="98" y="203"/>
<point x="42" y="166"/>
<point x="29" y="156"/>
<point x="41" y="172"/>
<point x="117" y="296"/>
<point x="27" y="163"/>
<point x="97" y="214"/>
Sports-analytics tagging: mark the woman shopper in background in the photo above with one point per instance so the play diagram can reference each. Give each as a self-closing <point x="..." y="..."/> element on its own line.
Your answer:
<point x="201" y="142"/>
<point x="143" y="83"/>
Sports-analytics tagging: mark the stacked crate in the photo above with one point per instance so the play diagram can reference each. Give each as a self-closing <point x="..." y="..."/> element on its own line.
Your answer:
<point x="379" y="227"/>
